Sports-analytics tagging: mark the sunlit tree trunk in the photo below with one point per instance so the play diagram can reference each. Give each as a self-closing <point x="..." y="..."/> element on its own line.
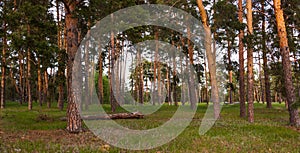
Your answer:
<point x="3" y="68"/>
<point x="46" y="85"/>
<point x="260" y="81"/>
<point x="285" y="54"/>
<point x="155" y="65"/>
<point x="113" y="102"/>
<point x="100" y="79"/>
<point x="229" y="68"/>
<point x="74" y="124"/>
<point x="211" y="58"/>
<point x="87" y="97"/>
<point x="206" y="99"/>
<point x="61" y="68"/>
<point x="250" y="63"/>
<point x="29" y="100"/>
<point x="241" y="63"/>
<point x="39" y="82"/>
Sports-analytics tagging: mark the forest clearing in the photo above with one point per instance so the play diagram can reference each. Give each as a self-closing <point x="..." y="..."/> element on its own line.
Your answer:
<point x="149" y="76"/>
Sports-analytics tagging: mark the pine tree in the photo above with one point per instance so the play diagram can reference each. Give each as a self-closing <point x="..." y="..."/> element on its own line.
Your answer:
<point x="285" y="54"/>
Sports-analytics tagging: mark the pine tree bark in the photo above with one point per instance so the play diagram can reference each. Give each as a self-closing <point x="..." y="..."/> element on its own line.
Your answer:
<point x="3" y="69"/>
<point x="140" y="77"/>
<point x="39" y="82"/>
<point x="61" y="68"/>
<point x="155" y="64"/>
<point x="285" y="54"/>
<point x="174" y="76"/>
<point x="211" y="58"/>
<point x="241" y="62"/>
<point x="74" y="123"/>
<point x="250" y="75"/>
<point x="229" y="68"/>
<point x="45" y="89"/>
<point x="113" y="102"/>
<point x="87" y="97"/>
<point x="100" y="79"/>
<point x="29" y="73"/>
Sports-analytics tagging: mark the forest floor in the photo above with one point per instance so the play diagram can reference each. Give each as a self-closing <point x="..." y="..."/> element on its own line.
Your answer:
<point x="41" y="130"/>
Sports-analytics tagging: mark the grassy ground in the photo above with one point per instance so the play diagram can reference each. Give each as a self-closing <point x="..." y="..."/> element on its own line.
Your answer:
<point x="40" y="130"/>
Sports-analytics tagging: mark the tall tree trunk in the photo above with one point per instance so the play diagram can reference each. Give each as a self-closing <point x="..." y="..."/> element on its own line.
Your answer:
<point x="155" y="64"/>
<point x="46" y="85"/>
<point x="229" y="68"/>
<point x="3" y="69"/>
<point x="74" y="124"/>
<point x="169" y="86"/>
<point x="211" y="58"/>
<point x="183" y="86"/>
<point x="192" y="92"/>
<point x="140" y="77"/>
<point x="265" y="60"/>
<point x="87" y="65"/>
<point x="61" y="68"/>
<point x="29" y="74"/>
<point x="250" y="63"/>
<point x="123" y="69"/>
<point x="159" y="87"/>
<point x="174" y="75"/>
<point x="206" y="99"/>
<point x="117" y="73"/>
<point x="261" y="91"/>
<point x="100" y="79"/>
<point x="241" y="62"/>
<point x="285" y="53"/>
<point x="39" y="82"/>
<point x="113" y="102"/>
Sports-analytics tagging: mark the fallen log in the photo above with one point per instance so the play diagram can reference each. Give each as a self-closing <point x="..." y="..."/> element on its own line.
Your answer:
<point x="133" y="115"/>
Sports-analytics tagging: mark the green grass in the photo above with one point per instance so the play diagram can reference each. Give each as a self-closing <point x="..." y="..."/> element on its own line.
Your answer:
<point x="40" y="130"/>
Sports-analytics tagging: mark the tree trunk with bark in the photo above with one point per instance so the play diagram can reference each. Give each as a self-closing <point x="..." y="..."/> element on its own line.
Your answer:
<point x="3" y="69"/>
<point x="174" y="76"/>
<point x="285" y="54"/>
<point x="45" y="88"/>
<point x="113" y="102"/>
<point x="250" y="75"/>
<point x="39" y="82"/>
<point x="211" y="58"/>
<point x="29" y="74"/>
<point x="61" y="68"/>
<point x="74" y="124"/>
<point x="100" y="79"/>
<point x="241" y="62"/>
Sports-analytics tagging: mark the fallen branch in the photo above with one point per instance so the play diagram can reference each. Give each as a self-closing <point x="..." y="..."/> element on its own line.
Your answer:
<point x="134" y="115"/>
